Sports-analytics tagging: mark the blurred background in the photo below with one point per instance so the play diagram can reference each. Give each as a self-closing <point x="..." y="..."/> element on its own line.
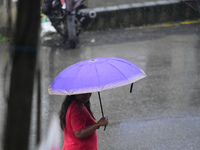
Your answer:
<point x="161" y="37"/>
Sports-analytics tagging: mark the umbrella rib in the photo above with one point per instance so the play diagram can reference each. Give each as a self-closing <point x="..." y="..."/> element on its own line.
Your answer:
<point x="77" y="75"/>
<point x="97" y="75"/>
<point x="124" y="74"/>
<point x="119" y="70"/>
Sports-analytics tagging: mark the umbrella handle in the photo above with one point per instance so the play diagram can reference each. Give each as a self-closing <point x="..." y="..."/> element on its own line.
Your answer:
<point x="101" y="107"/>
<point x="101" y="104"/>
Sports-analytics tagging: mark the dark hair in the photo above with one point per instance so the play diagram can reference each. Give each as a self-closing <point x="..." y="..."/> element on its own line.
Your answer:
<point x="65" y="105"/>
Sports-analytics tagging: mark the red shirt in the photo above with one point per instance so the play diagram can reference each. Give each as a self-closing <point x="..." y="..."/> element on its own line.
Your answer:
<point x="77" y="118"/>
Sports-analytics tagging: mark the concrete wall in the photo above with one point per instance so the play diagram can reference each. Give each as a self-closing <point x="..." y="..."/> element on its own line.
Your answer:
<point x="141" y="14"/>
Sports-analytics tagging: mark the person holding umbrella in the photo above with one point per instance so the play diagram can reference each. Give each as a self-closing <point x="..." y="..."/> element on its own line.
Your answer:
<point x="89" y="76"/>
<point x="78" y="123"/>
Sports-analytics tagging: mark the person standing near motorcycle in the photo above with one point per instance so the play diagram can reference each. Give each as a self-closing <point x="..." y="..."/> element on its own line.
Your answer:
<point x="70" y="27"/>
<point x="71" y="6"/>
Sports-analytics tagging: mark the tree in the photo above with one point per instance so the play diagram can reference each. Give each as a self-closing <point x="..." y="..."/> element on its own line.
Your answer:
<point x="24" y="49"/>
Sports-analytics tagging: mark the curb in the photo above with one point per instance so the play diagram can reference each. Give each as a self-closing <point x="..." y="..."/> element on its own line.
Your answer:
<point x="139" y="14"/>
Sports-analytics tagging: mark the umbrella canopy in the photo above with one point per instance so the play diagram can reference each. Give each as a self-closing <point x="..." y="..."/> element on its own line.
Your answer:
<point x="95" y="75"/>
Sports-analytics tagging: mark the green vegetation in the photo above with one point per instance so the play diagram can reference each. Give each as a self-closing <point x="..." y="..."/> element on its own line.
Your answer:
<point x="3" y="39"/>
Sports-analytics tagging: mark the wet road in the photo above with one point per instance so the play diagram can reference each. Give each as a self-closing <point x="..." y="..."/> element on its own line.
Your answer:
<point x="163" y="112"/>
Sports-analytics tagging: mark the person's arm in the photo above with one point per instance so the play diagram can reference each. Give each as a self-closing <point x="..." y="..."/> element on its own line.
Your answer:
<point x="90" y="129"/>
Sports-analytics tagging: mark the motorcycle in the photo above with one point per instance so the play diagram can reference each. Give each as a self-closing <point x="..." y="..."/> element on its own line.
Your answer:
<point x="70" y="25"/>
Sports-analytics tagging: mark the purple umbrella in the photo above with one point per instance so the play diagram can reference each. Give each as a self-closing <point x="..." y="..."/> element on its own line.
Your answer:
<point x="95" y="75"/>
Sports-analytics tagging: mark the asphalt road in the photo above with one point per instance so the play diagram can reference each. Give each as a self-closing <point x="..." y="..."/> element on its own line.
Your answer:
<point x="162" y="113"/>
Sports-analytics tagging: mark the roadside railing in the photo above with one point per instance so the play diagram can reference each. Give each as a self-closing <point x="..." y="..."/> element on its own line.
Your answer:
<point x="194" y="4"/>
